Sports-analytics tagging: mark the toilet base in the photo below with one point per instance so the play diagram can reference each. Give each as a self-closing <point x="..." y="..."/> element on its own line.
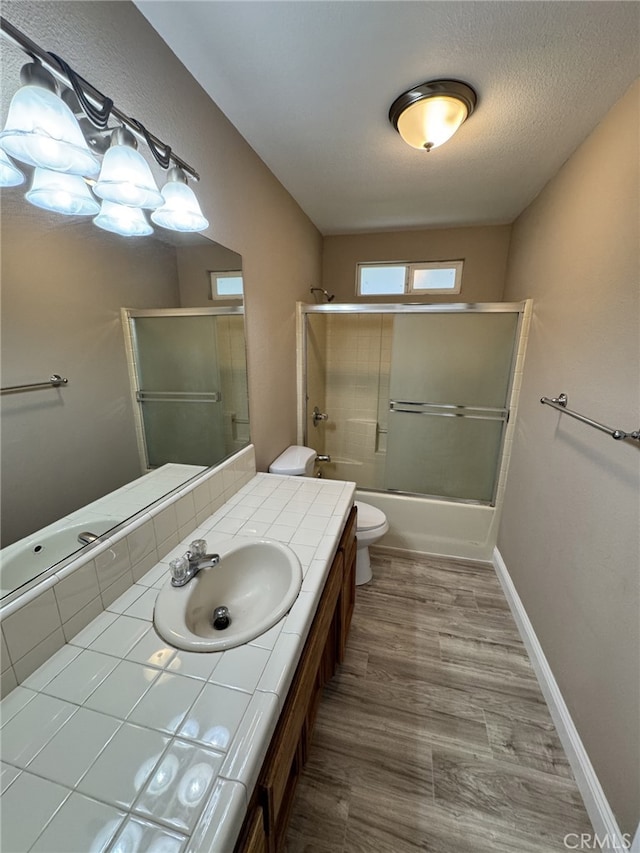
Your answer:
<point x="363" y="566"/>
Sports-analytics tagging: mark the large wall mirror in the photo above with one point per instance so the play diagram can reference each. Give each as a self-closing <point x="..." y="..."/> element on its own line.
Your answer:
<point x="64" y="285"/>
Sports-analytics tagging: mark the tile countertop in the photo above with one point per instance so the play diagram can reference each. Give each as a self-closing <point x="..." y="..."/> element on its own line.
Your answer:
<point x="120" y="742"/>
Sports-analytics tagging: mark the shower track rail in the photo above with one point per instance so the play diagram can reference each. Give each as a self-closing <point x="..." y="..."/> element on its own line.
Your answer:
<point x="54" y="381"/>
<point x="560" y="404"/>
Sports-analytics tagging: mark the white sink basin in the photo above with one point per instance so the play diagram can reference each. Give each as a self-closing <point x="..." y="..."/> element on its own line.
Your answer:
<point x="256" y="579"/>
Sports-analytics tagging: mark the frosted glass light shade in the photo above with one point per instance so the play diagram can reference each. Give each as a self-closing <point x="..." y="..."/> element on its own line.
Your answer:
<point x="429" y="114"/>
<point x="10" y="175"/>
<point x="42" y="131"/>
<point x="123" y="220"/>
<point x="429" y="123"/>
<point x="180" y="211"/>
<point x="125" y="178"/>
<point x="61" y="193"/>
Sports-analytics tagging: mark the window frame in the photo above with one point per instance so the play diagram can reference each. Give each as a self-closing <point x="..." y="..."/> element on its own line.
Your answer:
<point x="411" y="267"/>
<point x="215" y="276"/>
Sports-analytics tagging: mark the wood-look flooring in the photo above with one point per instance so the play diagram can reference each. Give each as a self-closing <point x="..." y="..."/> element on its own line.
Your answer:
<point x="434" y="735"/>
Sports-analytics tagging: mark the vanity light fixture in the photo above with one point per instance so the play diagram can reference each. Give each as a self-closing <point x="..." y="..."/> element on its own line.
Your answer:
<point x="10" y="175"/>
<point x="180" y="211"/>
<point x="61" y="193"/>
<point x="428" y="115"/>
<point x="63" y="138"/>
<point x="42" y="131"/>
<point x="125" y="177"/>
<point x="123" y="220"/>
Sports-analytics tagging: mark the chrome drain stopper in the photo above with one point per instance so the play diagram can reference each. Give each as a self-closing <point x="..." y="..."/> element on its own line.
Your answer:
<point x="221" y="618"/>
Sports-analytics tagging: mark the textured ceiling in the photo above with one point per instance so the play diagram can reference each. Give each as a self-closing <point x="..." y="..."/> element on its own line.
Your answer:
<point x="309" y="85"/>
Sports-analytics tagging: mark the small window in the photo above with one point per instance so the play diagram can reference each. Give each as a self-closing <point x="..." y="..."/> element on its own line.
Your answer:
<point x="382" y="280"/>
<point x="226" y="285"/>
<point x="409" y="279"/>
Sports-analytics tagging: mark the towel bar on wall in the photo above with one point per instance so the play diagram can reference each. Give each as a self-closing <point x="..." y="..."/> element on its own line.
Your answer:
<point x="54" y="381"/>
<point x="560" y="404"/>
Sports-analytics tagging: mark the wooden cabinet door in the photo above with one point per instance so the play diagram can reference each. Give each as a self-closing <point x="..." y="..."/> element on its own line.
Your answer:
<point x="282" y="765"/>
<point x="347" y="602"/>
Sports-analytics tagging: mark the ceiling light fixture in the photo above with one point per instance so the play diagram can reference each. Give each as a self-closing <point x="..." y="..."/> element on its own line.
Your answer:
<point x="63" y="139"/>
<point x="428" y="115"/>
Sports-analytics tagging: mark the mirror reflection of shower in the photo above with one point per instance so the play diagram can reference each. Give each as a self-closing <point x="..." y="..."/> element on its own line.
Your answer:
<point x="328" y="296"/>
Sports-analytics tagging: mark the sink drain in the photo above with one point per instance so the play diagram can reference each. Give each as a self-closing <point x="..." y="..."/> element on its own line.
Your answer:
<point x="221" y="618"/>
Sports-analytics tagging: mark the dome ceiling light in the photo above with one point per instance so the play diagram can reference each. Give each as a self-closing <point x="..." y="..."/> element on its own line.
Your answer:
<point x="429" y="114"/>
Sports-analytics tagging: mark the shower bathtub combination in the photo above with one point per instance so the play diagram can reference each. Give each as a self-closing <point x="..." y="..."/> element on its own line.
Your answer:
<point x="420" y="404"/>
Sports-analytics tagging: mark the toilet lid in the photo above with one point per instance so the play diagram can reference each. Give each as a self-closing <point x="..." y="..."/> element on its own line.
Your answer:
<point x="369" y="516"/>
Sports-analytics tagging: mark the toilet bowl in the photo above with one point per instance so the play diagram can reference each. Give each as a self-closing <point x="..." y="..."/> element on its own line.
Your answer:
<point x="372" y="524"/>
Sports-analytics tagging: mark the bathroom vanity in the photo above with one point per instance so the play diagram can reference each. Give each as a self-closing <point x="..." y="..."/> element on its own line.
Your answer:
<point x="265" y="825"/>
<point x="119" y="741"/>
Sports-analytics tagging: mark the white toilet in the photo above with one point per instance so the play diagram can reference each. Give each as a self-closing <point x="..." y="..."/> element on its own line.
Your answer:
<point x="298" y="461"/>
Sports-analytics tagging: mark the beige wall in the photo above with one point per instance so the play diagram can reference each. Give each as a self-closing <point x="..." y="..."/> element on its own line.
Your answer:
<point x="569" y="532"/>
<point x="194" y="265"/>
<point x="62" y="290"/>
<point x="484" y="250"/>
<point x="114" y="47"/>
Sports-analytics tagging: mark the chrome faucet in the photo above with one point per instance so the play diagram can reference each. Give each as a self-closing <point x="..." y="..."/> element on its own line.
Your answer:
<point x="196" y="558"/>
<point x="86" y="537"/>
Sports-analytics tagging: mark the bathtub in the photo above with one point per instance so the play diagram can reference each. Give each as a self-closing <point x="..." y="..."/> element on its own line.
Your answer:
<point x="31" y="556"/>
<point x="433" y="526"/>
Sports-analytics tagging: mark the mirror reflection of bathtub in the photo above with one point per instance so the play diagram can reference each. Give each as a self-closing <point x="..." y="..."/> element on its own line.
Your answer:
<point x="28" y="558"/>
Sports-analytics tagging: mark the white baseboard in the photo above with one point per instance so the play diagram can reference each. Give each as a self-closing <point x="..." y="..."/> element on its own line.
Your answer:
<point x="599" y="811"/>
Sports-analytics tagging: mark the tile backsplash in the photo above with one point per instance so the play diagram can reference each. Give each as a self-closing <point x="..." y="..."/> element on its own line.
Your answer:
<point x="38" y="623"/>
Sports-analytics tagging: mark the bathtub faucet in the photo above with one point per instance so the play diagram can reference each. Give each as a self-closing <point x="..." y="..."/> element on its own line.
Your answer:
<point x="86" y="537"/>
<point x="196" y="558"/>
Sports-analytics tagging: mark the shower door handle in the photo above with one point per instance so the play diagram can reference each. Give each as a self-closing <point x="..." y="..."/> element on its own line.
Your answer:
<point x="318" y="416"/>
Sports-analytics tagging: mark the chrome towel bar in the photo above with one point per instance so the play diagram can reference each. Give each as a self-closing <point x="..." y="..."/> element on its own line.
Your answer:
<point x="54" y="381"/>
<point x="560" y="403"/>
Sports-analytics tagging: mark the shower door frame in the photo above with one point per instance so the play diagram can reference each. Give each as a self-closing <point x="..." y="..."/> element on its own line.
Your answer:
<point x="304" y="309"/>
<point x="127" y="315"/>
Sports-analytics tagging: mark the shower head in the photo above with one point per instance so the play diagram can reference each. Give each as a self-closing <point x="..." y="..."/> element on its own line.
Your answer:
<point x="329" y="296"/>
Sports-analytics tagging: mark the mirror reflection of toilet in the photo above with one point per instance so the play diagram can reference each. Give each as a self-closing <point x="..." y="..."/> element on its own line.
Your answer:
<point x="372" y="524"/>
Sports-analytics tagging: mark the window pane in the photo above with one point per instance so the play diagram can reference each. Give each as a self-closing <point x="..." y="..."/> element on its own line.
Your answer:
<point x="434" y="279"/>
<point x="382" y="281"/>
<point x="226" y="285"/>
<point x="230" y="286"/>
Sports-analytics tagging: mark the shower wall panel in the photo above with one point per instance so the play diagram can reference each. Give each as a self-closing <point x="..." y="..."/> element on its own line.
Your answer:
<point x="358" y="349"/>
<point x="232" y="364"/>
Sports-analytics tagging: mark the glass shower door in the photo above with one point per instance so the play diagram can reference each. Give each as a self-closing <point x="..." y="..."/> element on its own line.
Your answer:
<point x="178" y="389"/>
<point x="449" y="383"/>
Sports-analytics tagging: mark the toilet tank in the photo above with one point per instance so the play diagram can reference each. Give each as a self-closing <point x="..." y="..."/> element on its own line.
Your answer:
<point x="295" y="461"/>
